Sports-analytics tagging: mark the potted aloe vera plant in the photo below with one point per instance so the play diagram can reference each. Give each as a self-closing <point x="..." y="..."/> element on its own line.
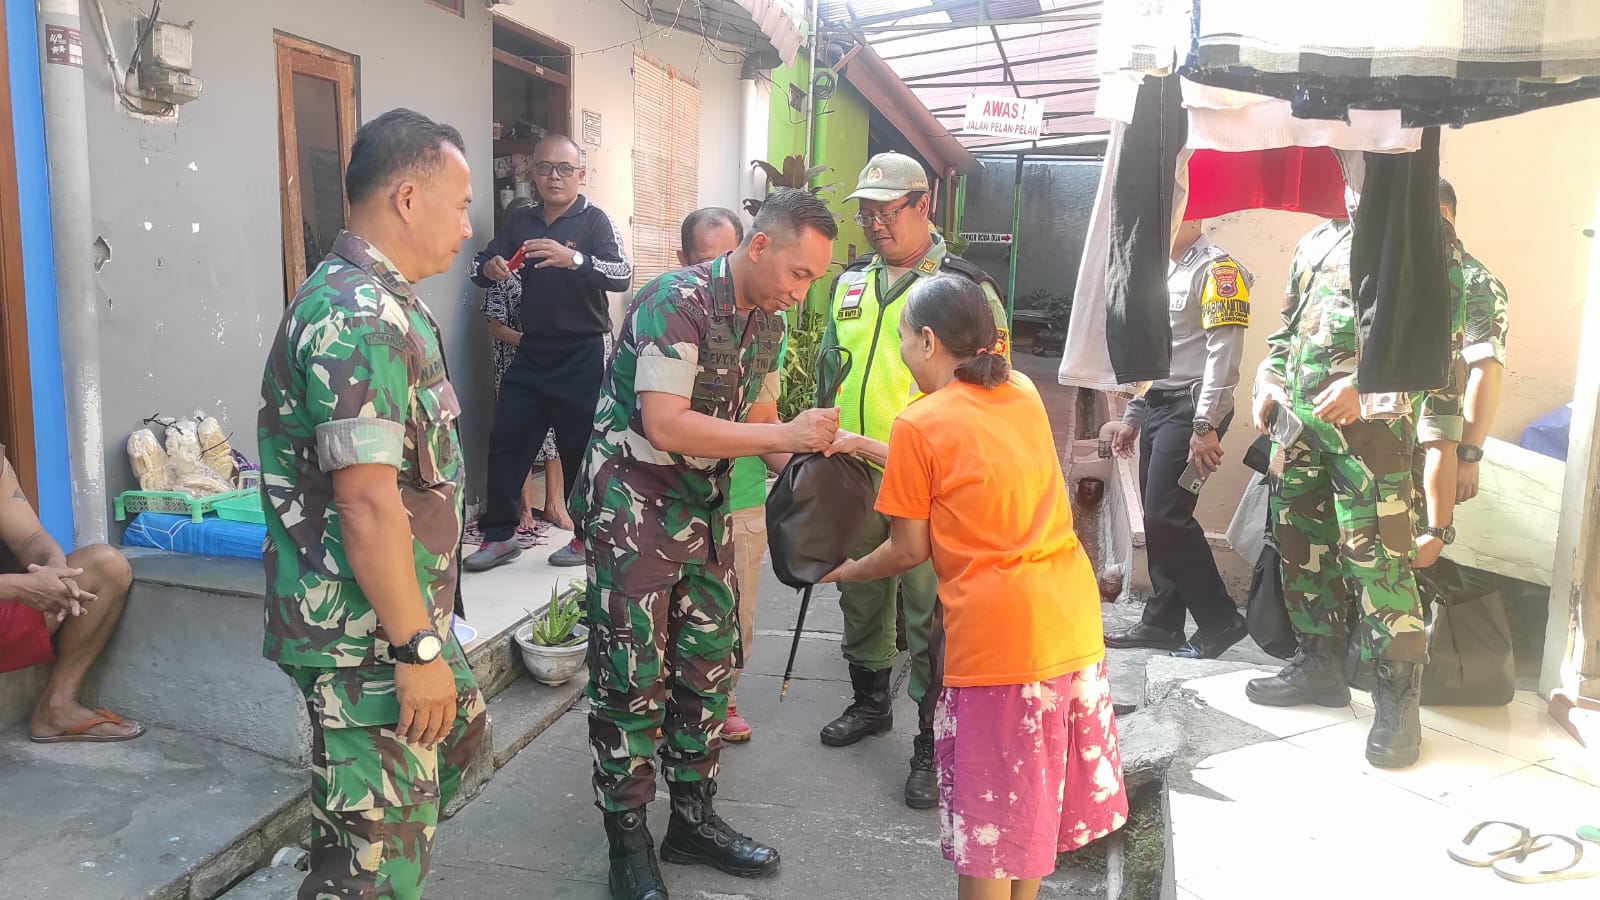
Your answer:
<point x="554" y="642"/>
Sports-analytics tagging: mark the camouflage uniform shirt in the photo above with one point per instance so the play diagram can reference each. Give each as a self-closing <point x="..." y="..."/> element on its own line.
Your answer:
<point x="1484" y="314"/>
<point x="1317" y="345"/>
<point x="356" y="375"/>
<point x="683" y="336"/>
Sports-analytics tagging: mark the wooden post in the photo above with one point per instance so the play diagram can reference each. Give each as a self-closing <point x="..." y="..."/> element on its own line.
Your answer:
<point x="1570" y="676"/>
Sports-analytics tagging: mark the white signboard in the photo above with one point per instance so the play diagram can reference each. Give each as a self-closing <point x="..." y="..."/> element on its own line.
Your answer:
<point x="1011" y="117"/>
<point x="986" y="237"/>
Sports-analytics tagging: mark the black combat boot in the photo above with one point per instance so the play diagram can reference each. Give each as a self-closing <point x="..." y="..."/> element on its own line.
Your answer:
<point x="634" y="873"/>
<point x="1396" y="737"/>
<point x="1315" y="675"/>
<point x="869" y="713"/>
<point x="922" y="785"/>
<point x="696" y="835"/>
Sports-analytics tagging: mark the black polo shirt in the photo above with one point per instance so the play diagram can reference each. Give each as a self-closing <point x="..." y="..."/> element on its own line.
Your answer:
<point x="558" y="302"/>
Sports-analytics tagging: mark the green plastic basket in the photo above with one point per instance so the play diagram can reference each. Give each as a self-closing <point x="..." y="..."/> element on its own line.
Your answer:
<point x="173" y="502"/>
<point x="246" y="507"/>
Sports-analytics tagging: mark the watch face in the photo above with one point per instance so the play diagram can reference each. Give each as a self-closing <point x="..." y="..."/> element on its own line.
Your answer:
<point x="429" y="648"/>
<point x="577" y="258"/>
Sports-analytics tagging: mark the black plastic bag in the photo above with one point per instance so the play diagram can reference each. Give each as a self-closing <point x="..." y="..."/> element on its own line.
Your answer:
<point x="816" y="512"/>
<point x="1470" y="661"/>
<point x="1265" y="613"/>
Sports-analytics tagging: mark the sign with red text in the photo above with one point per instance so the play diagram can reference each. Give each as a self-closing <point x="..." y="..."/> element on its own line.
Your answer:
<point x="1011" y="117"/>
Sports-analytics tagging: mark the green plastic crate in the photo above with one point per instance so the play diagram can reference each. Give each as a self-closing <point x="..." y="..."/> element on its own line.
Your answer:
<point x="246" y="507"/>
<point x="173" y="502"/>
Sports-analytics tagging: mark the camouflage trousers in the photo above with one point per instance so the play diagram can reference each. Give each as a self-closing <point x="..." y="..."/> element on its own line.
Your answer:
<point x="1344" y="522"/>
<point x="663" y="643"/>
<point x="375" y="799"/>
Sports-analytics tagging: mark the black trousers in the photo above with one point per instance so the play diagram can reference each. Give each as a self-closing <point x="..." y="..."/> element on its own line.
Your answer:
<point x="551" y="384"/>
<point x="1183" y="571"/>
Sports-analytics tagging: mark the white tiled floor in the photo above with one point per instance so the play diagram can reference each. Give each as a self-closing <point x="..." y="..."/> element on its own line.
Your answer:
<point x="1304" y="816"/>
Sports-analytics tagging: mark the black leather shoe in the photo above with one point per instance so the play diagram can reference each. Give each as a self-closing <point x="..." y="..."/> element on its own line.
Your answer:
<point x="870" y="713"/>
<point x="1315" y="675"/>
<point x="634" y="873"/>
<point x="1396" y="737"/>
<point x="1212" y="644"/>
<point x="1146" y="636"/>
<point x="696" y="835"/>
<point x="922" y="785"/>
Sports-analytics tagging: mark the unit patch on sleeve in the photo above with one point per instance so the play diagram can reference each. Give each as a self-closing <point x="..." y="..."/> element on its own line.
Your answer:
<point x="850" y="306"/>
<point x="1227" y="298"/>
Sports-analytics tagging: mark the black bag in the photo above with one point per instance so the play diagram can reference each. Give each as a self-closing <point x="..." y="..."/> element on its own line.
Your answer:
<point x="1470" y="662"/>
<point x="1265" y="614"/>
<point x="819" y="506"/>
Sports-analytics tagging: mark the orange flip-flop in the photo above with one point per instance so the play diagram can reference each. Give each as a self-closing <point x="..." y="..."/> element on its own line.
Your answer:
<point x="79" y="734"/>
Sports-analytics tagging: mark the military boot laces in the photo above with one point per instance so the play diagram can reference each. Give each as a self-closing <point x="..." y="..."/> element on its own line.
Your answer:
<point x="696" y="835"/>
<point x="870" y="712"/>
<point x="922" y="785"/>
<point x="1396" y="737"/>
<point x="1315" y="675"/>
<point x="634" y="873"/>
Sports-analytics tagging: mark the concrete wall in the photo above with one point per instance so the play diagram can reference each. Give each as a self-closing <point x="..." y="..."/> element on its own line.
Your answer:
<point x="1057" y="196"/>
<point x="194" y="289"/>
<point x="603" y="82"/>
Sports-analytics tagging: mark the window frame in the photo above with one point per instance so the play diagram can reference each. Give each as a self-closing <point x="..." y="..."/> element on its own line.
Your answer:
<point x="299" y="56"/>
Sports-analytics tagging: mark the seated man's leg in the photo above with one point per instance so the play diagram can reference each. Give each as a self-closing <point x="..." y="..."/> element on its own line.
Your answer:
<point x="375" y="799"/>
<point x="79" y="641"/>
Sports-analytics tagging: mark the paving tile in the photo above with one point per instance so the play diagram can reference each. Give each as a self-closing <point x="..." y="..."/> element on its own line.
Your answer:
<point x="1516" y="729"/>
<point x="1448" y="764"/>
<point x="1225" y="693"/>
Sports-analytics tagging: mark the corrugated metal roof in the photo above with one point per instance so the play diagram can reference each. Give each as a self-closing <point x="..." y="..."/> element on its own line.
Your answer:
<point x="948" y="50"/>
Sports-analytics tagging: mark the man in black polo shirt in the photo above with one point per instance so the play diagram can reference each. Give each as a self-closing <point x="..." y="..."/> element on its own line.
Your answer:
<point x="572" y="255"/>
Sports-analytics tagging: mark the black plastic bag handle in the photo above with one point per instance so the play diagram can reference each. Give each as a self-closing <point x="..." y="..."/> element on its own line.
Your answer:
<point x="827" y="393"/>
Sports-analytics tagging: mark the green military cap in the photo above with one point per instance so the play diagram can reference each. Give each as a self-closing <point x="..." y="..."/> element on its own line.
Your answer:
<point x="890" y="176"/>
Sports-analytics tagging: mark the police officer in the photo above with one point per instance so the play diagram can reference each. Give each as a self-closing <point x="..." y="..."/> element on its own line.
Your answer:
<point x="1342" y="502"/>
<point x="1180" y="421"/>
<point x="893" y="195"/>
<point x="361" y="475"/>
<point x="693" y="384"/>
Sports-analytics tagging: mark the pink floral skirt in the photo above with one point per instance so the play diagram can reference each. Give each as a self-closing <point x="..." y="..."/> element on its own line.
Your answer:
<point x="1027" y="771"/>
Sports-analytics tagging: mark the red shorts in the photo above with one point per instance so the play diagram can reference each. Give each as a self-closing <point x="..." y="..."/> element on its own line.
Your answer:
<point x="24" y="637"/>
<point x="1027" y="771"/>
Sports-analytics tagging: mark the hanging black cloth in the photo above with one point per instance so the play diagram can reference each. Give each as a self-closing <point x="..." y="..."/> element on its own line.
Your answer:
<point x="1399" y="273"/>
<point x="1138" y="330"/>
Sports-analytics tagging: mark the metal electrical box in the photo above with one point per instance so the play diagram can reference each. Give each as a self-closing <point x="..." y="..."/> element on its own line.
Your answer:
<point x="165" y="61"/>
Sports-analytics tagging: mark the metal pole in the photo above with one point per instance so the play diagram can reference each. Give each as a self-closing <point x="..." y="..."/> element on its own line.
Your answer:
<point x="1016" y="226"/>
<point x="961" y="202"/>
<point x="72" y="232"/>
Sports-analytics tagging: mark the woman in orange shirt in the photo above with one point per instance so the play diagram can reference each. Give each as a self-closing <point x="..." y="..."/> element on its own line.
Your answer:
<point x="1025" y="742"/>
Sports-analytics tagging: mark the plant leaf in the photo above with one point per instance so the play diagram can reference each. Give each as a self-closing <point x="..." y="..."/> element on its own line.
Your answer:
<point x="774" y="176"/>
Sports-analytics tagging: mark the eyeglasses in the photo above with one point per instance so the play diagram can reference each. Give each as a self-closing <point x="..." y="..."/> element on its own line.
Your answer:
<point x="886" y="217"/>
<point x="545" y="170"/>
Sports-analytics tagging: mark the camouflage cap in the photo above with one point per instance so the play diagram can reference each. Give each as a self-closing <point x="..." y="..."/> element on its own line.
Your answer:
<point x="890" y="176"/>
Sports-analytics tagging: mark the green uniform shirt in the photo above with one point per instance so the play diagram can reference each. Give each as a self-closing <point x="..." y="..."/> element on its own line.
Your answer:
<point x="1485" y="324"/>
<point x="1317" y="345"/>
<point x="684" y="336"/>
<point x="355" y="376"/>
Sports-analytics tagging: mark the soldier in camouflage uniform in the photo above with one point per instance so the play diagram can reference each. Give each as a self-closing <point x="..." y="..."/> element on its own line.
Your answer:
<point x="1342" y="501"/>
<point x="692" y="385"/>
<point x="360" y="478"/>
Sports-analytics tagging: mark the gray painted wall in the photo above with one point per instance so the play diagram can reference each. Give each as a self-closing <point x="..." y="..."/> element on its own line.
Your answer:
<point x="1056" y="198"/>
<point x="188" y="315"/>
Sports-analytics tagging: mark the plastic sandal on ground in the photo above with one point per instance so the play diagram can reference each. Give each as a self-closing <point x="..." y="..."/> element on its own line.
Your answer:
<point x="1500" y="840"/>
<point x="1536" y="863"/>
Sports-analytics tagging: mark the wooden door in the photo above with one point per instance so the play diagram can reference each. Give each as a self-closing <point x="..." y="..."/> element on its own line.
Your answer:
<point x="316" y="128"/>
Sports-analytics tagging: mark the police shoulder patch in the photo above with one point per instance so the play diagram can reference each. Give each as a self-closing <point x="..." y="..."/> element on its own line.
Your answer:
<point x="1226" y="300"/>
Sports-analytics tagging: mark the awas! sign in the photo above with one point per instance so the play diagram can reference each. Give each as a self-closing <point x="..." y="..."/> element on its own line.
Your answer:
<point x="1005" y="117"/>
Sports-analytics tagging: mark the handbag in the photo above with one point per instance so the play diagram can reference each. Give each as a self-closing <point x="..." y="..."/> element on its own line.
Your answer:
<point x="1265" y="615"/>
<point x="1470" y="661"/>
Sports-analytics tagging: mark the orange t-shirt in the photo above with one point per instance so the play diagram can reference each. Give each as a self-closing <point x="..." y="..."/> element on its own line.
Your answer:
<point x="1019" y="596"/>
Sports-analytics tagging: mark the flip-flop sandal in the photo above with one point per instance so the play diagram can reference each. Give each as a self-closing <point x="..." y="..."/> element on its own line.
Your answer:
<point x="1526" y="867"/>
<point x="79" y="734"/>
<point x="1504" y="839"/>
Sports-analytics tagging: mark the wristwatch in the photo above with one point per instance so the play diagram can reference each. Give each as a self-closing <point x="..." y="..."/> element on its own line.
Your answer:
<point x="1202" y="427"/>
<point x="577" y="259"/>
<point x="1446" y="534"/>
<point x="424" y="647"/>
<point x="1469" y="453"/>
